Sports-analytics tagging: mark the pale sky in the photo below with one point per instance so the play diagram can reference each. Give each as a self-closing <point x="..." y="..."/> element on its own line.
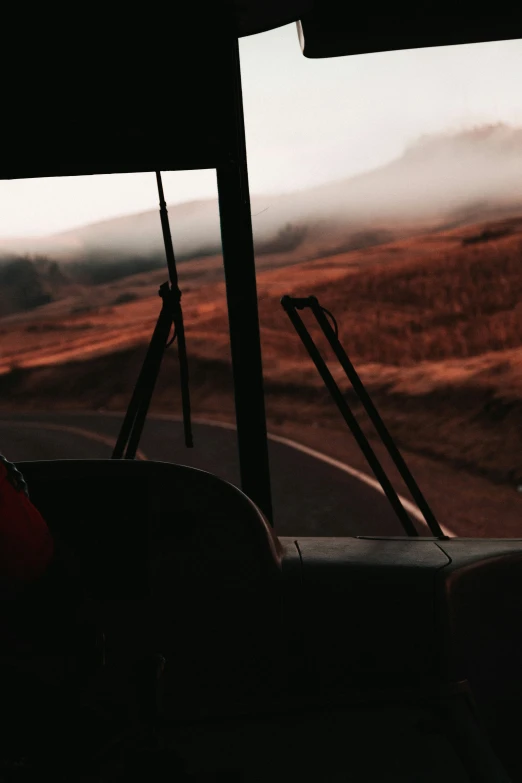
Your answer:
<point x="307" y="122"/>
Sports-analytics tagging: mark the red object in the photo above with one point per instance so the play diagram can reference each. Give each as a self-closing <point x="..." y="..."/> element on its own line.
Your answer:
<point x="26" y="544"/>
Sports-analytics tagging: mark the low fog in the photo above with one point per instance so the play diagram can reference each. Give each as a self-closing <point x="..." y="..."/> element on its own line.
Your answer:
<point x="439" y="182"/>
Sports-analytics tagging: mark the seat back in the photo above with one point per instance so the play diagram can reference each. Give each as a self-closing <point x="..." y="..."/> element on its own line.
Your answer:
<point x="114" y="515"/>
<point x="177" y="561"/>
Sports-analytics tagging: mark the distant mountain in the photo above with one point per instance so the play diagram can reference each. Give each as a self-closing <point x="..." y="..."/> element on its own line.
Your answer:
<point x="441" y="181"/>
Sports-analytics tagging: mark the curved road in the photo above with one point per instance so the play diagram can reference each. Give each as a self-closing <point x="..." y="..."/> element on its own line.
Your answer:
<point x="311" y="497"/>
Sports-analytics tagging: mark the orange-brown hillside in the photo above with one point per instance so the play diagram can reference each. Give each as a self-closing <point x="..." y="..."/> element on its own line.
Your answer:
<point x="441" y="296"/>
<point x="433" y="323"/>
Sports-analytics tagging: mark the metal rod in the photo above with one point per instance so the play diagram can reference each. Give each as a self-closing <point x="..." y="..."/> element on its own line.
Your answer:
<point x="348" y="416"/>
<point x="375" y="417"/>
<point x="175" y="297"/>
<point x="167" y="236"/>
<point x="158" y="338"/>
<point x="241" y="289"/>
<point x="149" y="382"/>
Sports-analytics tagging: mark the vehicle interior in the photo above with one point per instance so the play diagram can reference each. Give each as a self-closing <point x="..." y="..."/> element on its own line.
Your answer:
<point x="269" y="658"/>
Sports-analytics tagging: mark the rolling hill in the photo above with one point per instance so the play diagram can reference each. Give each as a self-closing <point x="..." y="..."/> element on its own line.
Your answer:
<point x="433" y="324"/>
<point x="440" y="182"/>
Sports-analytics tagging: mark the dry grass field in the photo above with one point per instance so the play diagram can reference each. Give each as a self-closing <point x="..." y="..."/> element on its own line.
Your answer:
<point x="433" y="324"/>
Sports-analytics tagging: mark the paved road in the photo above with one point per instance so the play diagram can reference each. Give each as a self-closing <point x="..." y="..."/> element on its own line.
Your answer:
<point x="311" y="497"/>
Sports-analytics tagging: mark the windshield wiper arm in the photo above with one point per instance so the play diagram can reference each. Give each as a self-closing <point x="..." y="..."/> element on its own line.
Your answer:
<point x="179" y="328"/>
<point x="291" y="306"/>
<point x="171" y="313"/>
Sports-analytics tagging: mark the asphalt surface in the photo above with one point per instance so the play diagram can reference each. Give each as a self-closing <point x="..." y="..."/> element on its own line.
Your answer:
<point x="310" y="496"/>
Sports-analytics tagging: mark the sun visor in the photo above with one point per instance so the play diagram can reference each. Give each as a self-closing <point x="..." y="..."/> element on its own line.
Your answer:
<point x="255" y="16"/>
<point x="142" y="93"/>
<point x="334" y="29"/>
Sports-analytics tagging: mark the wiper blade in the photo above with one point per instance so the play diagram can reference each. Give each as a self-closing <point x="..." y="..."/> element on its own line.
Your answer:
<point x="171" y="313"/>
<point x="179" y="328"/>
<point x="291" y="306"/>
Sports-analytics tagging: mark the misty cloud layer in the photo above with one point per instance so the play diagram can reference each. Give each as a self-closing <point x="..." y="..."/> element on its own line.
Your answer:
<point x="462" y="177"/>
